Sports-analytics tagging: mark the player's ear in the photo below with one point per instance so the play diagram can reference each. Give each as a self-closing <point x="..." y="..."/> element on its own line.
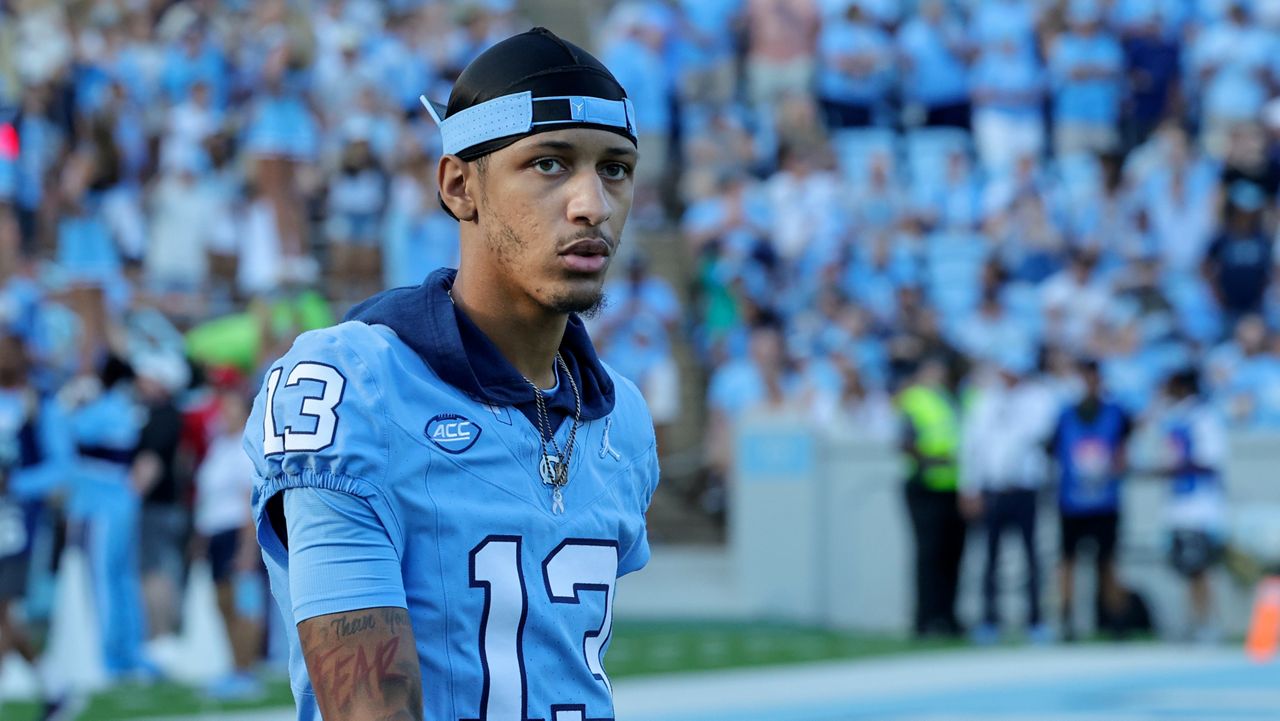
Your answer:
<point x="455" y="179"/>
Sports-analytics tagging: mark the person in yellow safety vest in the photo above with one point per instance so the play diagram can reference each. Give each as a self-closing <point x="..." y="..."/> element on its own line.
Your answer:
<point x="931" y="442"/>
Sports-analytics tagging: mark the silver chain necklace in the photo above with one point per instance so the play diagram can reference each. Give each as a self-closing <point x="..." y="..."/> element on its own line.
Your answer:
<point x="554" y="467"/>
<point x="551" y="469"/>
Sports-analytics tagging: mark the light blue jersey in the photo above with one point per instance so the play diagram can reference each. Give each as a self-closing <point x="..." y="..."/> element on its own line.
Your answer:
<point x="410" y="477"/>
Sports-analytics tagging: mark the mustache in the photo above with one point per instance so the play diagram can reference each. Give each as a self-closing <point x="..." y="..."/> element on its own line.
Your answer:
<point x="592" y="234"/>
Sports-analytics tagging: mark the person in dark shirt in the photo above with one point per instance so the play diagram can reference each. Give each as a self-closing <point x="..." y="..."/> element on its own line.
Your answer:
<point x="1152" y="58"/>
<point x="1238" y="263"/>
<point x="1088" y="448"/>
<point x="157" y="482"/>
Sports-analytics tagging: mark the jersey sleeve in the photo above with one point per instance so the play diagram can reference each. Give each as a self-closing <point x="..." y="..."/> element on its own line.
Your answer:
<point x="340" y="555"/>
<point x="318" y="422"/>
<point x="636" y="555"/>
<point x="634" y="429"/>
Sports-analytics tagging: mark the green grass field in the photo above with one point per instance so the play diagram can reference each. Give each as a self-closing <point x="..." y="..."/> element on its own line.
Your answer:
<point x="637" y="649"/>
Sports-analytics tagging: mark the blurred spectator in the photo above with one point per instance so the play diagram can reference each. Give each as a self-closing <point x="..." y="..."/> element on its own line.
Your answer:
<point x="855" y="68"/>
<point x="707" y="34"/>
<point x="759" y="381"/>
<point x="1086" y="65"/>
<point x="992" y="332"/>
<point x="1239" y="261"/>
<point x="634" y="333"/>
<point x="1074" y="301"/>
<point x="728" y="216"/>
<point x="105" y="424"/>
<point x="934" y="50"/>
<point x="417" y="236"/>
<point x="635" y="56"/>
<point x="782" y="40"/>
<point x="35" y="460"/>
<point x="1195" y="449"/>
<point x="260" y="268"/>
<point x="159" y="484"/>
<point x="930" y="438"/>
<point x="857" y="409"/>
<point x="1245" y="376"/>
<point x="1232" y="64"/>
<point x="952" y="202"/>
<point x="224" y="520"/>
<point x="41" y="143"/>
<point x="356" y="200"/>
<point x="998" y="21"/>
<point x="1153" y="57"/>
<point x="1088" y="448"/>
<point x="802" y="187"/>
<point x="1001" y="473"/>
<point x="1180" y="197"/>
<point x="1008" y="88"/>
<point x="192" y="121"/>
<point x="183" y="215"/>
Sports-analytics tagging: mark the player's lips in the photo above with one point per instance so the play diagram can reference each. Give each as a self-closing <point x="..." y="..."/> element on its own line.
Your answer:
<point x="588" y="255"/>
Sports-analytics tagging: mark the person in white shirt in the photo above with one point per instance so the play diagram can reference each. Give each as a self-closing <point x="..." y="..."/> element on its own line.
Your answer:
<point x="1002" y="470"/>
<point x="1074" y="300"/>
<point x="1193" y="454"/>
<point x="224" y="519"/>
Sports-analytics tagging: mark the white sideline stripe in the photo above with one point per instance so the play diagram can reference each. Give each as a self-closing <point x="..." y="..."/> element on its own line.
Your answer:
<point x="722" y="694"/>
<point x="719" y="694"/>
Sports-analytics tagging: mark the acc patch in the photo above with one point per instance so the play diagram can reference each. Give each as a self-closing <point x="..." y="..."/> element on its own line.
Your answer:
<point x="452" y="433"/>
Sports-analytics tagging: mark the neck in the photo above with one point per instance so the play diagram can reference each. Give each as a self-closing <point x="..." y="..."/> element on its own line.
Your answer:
<point x="526" y="334"/>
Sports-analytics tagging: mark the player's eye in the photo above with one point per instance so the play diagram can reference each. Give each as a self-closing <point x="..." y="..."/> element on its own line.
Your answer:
<point x="615" y="171"/>
<point x="548" y="166"/>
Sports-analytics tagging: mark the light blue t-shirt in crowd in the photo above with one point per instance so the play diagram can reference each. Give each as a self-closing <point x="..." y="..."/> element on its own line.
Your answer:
<point x="935" y="75"/>
<point x="1016" y="74"/>
<point x="1095" y="100"/>
<point x="644" y="74"/>
<point x="839" y="40"/>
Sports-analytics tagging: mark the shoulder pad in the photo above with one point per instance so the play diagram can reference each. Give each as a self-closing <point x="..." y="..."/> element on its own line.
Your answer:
<point x="319" y="416"/>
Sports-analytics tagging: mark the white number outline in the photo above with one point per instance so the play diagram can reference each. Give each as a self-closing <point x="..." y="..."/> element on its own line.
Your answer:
<point x="272" y="442"/>
<point x="594" y="661"/>
<point x="323" y="408"/>
<point x="517" y="639"/>
<point x="604" y="632"/>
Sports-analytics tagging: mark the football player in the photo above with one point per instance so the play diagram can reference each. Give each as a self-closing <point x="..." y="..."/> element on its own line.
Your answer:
<point x="450" y="482"/>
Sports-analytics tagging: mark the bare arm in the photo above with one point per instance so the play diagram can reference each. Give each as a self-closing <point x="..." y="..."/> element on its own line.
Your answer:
<point x="145" y="472"/>
<point x="363" y="665"/>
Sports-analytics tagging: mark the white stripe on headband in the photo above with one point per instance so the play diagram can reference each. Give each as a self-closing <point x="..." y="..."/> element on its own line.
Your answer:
<point x="513" y="115"/>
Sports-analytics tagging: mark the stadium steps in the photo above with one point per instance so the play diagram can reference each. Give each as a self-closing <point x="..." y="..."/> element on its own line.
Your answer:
<point x="675" y="516"/>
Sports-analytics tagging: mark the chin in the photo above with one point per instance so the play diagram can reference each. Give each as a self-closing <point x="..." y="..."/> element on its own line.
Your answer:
<point x="575" y="298"/>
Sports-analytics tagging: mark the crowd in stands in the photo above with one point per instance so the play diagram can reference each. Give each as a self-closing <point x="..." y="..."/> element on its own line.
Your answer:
<point x="1001" y="180"/>
<point x="859" y="185"/>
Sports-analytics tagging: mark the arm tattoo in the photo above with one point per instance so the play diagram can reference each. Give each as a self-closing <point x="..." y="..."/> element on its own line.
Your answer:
<point x="363" y="665"/>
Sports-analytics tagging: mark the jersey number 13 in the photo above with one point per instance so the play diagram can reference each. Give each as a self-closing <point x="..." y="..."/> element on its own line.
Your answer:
<point x="576" y="566"/>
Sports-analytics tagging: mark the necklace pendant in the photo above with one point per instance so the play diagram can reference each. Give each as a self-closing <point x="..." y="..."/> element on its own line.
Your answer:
<point x="557" y="500"/>
<point x="548" y="469"/>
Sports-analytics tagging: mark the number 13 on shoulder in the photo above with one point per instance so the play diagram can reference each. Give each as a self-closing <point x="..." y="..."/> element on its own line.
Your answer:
<point x="322" y="408"/>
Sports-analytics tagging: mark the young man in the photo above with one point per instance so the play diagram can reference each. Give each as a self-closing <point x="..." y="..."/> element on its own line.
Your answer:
<point x="1088" y="448"/>
<point x="1001" y="474"/>
<point x="450" y="482"/>
<point x="1196" y="445"/>
<point x="931" y="442"/>
<point x="36" y="458"/>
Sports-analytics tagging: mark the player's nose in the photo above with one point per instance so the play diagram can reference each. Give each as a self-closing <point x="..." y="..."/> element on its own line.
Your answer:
<point x="589" y="201"/>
